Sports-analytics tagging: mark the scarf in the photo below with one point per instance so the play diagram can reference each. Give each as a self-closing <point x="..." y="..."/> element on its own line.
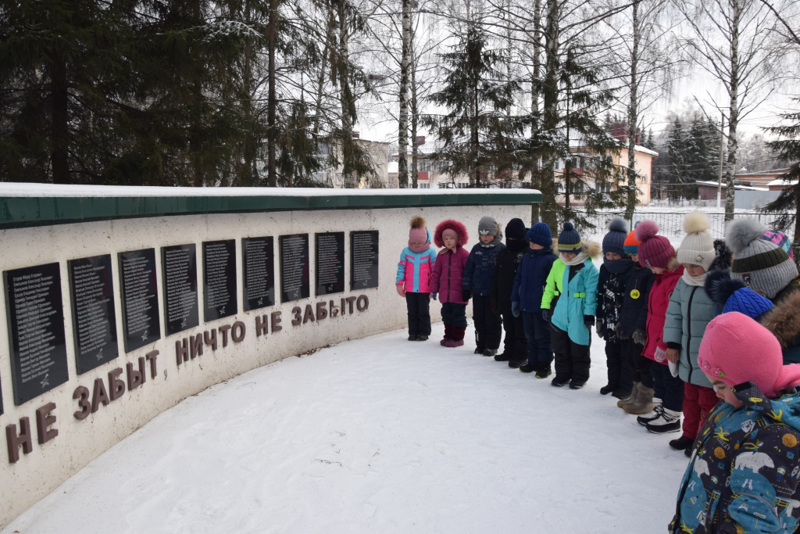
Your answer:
<point x="694" y="280"/>
<point x="580" y="258"/>
<point x="618" y="266"/>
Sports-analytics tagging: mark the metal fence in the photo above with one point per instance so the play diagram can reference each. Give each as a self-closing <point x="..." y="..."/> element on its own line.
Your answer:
<point x="670" y="222"/>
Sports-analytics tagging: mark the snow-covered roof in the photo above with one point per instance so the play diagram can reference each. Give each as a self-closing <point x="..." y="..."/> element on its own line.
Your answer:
<point x="22" y="190"/>
<point x="782" y="182"/>
<point x="737" y="186"/>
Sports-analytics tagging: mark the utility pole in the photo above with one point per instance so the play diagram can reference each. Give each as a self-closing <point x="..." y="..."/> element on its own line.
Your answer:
<point x="721" y="158"/>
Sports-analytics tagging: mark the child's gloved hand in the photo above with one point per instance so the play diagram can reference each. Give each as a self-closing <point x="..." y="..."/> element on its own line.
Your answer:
<point x="588" y="321"/>
<point x="434" y="295"/>
<point x="599" y="328"/>
<point x="639" y="337"/>
<point x="546" y="314"/>
<point x="660" y="354"/>
<point x="515" y="309"/>
<point x="400" y="289"/>
<point x="466" y="294"/>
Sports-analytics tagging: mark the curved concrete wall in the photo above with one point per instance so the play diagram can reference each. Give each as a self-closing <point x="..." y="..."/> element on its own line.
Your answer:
<point x="52" y="436"/>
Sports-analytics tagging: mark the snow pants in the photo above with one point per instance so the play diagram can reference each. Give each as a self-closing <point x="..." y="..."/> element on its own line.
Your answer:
<point x="487" y="323"/>
<point x="619" y="371"/>
<point x="418" y="306"/>
<point x="572" y="360"/>
<point x="538" y="335"/>
<point x="668" y="388"/>
<point x="697" y="402"/>
<point x="515" y="345"/>
<point x="639" y="365"/>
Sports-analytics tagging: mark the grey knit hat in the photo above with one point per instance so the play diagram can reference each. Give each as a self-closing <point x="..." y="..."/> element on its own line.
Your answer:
<point x="762" y="265"/>
<point x="488" y="226"/>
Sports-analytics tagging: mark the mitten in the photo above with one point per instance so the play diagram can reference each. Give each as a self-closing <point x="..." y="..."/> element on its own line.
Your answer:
<point x="515" y="309"/>
<point x="466" y="294"/>
<point x="660" y="354"/>
<point x="588" y="320"/>
<point x="546" y="314"/>
<point x="619" y="333"/>
<point x="434" y="295"/>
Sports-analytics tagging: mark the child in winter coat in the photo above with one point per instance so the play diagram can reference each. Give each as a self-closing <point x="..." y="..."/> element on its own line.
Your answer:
<point x="657" y="254"/>
<point x="614" y="274"/>
<point x="413" y="279"/>
<point x="633" y="322"/>
<point x="526" y="299"/>
<point x="743" y="475"/>
<point x="573" y="279"/>
<point x="690" y="310"/>
<point x="515" y="348"/>
<point x="762" y="265"/>
<point x="479" y="276"/>
<point x="447" y="278"/>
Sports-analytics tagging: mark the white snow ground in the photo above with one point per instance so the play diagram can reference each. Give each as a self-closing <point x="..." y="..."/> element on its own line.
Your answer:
<point x="378" y="435"/>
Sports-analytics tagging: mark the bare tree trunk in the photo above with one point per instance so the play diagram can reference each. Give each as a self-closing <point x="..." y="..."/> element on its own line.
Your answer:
<point x="536" y="177"/>
<point x="272" y="103"/>
<point x="414" y="122"/>
<point x="346" y="97"/>
<point x="60" y="122"/>
<point x="633" y="114"/>
<point x="550" y="113"/>
<point x="405" y="65"/>
<point x="733" y="119"/>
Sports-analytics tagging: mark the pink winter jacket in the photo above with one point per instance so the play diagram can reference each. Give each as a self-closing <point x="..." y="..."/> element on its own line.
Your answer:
<point x="657" y="305"/>
<point x="448" y="271"/>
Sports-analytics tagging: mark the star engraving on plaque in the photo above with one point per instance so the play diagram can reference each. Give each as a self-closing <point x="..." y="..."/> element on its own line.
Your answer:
<point x="144" y="335"/>
<point x="46" y="380"/>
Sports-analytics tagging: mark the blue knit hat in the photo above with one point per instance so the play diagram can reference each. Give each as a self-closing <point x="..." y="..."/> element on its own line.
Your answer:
<point x="614" y="240"/>
<point x="541" y="235"/>
<point x="748" y="302"/>
<point x="569" y="240"/>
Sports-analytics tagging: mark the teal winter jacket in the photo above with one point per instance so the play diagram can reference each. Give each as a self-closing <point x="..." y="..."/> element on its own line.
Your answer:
<point x="578" y="299"/>
<point x="690" y="310"/>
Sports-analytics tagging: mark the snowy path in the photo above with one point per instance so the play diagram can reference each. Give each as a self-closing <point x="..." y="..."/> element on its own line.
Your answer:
<point x="378" y="435"/>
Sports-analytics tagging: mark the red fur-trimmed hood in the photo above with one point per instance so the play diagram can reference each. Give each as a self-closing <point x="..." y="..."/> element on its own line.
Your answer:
<point x="450" y="224"/>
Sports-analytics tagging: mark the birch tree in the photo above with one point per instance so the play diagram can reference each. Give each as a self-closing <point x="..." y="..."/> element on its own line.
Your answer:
<point x="735" y="42"/>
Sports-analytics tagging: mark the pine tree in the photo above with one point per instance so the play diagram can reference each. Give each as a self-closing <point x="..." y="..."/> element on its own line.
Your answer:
<point x="476" y="135"/>
<point x="788" y="202"/>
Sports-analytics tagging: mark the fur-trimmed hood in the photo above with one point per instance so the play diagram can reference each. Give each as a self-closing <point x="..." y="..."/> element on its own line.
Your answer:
<point x="450" y="224"/>
<point x="784" y="320"/>
<point x="593" y="249"/>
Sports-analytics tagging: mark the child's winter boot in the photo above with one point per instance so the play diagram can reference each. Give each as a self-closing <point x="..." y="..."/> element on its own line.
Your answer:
<point x="643" y="402"/>
<point x="630" y="398"/>
<point x="670" y="421"/>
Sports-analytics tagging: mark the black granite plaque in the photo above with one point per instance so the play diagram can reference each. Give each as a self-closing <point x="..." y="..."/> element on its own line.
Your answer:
<point x="259" y="272"/>
<point x="294" y="267"/>
<point x="36" y="323"/>
<point x="363" y="259"/>
<point x="93" y="317"/>
<point x="179" y="268"/>
<point x="330" y="263"/>
<point x="219" y="279"/>
<point x="139" y="298"/>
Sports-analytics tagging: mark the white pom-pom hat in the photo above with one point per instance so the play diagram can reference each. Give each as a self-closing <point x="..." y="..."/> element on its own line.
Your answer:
<point x="698" y="246"/>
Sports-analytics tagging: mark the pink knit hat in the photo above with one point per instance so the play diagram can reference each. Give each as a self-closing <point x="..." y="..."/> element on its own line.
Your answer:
<point x="654" y="250"/>
<point x="737" y="349"/>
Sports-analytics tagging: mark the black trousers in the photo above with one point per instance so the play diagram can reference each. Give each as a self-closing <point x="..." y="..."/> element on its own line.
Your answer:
<point x="619" y="371"/>
<point x="639" y="365"/>
<point x="488" y="328"/>
<point x="572" y="360"/>
<point x="515" y="345"/>
<point x="419" y="314"/>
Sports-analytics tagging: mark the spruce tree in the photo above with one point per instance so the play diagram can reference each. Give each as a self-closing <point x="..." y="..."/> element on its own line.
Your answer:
<point x="475" y="134"/>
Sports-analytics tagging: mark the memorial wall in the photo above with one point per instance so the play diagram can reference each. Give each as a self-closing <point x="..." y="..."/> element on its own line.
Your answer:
<point x="121" y="302"/>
